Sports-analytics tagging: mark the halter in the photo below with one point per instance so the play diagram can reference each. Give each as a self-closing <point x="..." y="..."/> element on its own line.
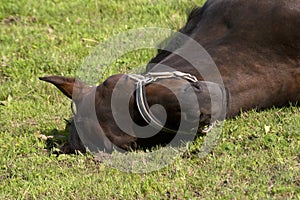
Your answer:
<point x="141" y="100"/>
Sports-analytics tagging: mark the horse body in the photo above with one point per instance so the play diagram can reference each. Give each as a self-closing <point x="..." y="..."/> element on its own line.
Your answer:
<point x="254" y="44"/>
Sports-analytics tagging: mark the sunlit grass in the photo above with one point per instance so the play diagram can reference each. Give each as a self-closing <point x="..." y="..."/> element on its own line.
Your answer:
<point x="257" y="156"/>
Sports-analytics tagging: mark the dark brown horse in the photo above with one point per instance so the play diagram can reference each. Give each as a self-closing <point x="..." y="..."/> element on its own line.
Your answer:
<point x="256" y="47"/>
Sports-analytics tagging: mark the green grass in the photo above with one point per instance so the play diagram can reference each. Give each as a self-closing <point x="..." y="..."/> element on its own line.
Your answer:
<point x="257" y="156"/>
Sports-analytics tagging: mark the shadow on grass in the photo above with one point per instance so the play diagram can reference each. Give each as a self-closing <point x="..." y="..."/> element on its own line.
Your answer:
<point x="55" y="140"/>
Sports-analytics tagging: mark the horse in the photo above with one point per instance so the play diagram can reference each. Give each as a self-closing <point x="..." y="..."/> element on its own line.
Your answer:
<point x="255" y="46"/>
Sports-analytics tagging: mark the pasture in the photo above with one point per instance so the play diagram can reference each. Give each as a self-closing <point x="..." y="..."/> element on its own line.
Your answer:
<point x="256" y="157"/>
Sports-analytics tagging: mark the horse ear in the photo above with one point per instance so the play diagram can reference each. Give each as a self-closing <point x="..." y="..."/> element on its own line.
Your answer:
<point x="70" y="87"/>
